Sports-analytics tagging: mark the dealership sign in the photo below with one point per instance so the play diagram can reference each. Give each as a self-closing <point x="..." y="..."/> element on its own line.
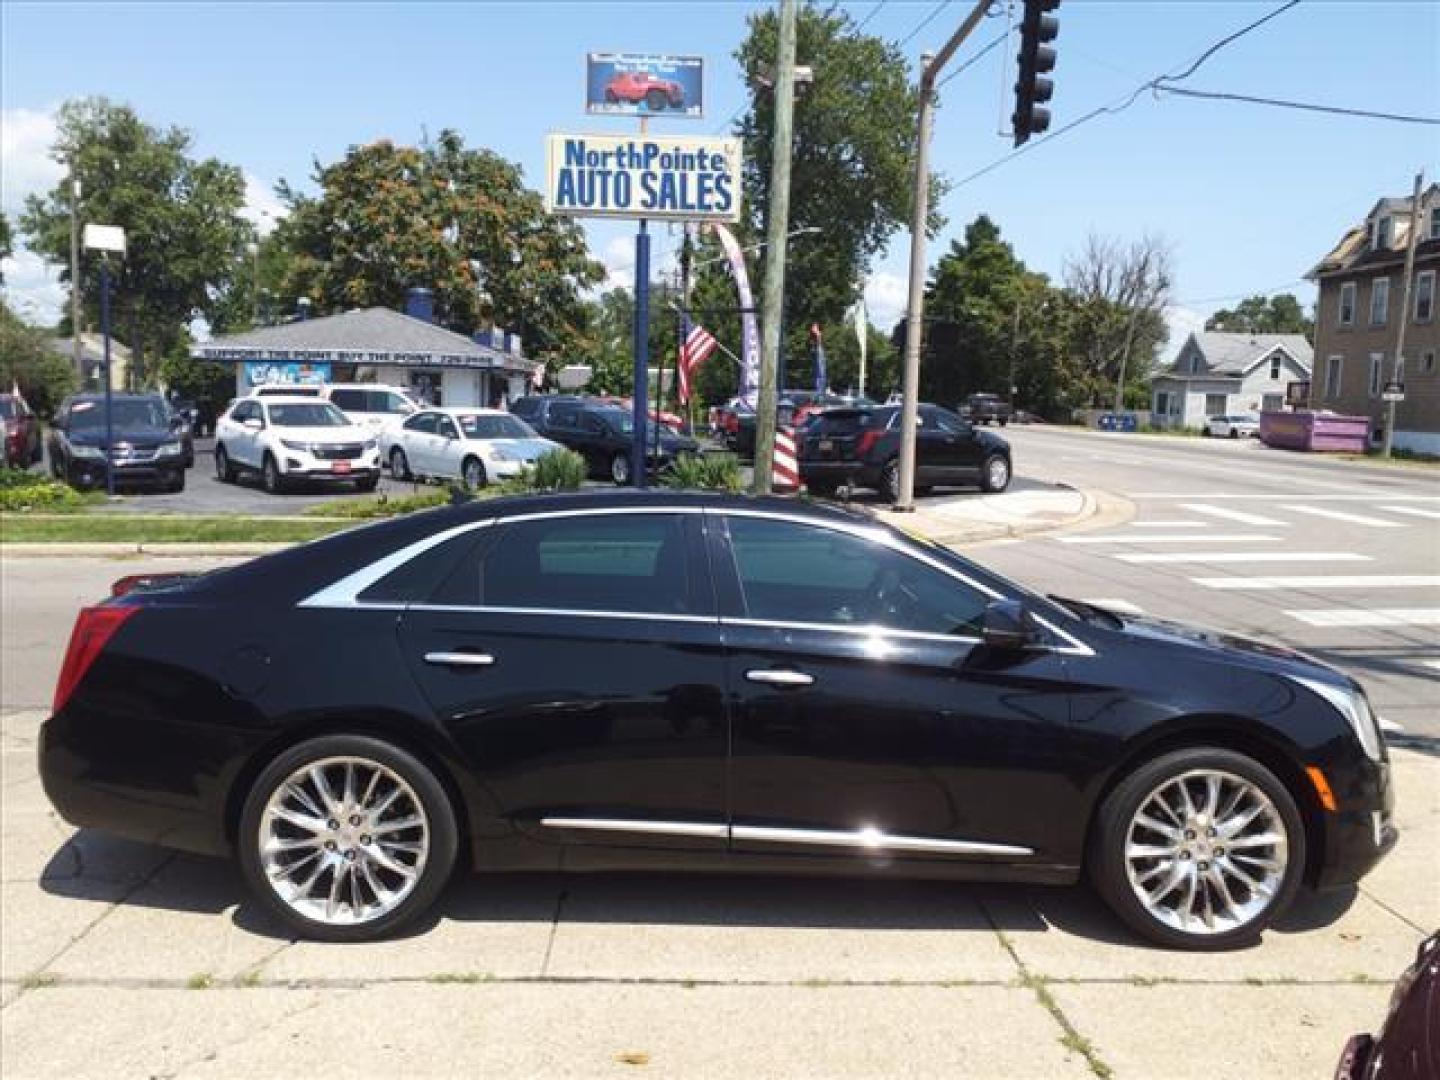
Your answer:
<point x="643" y="84"/>
<point x="643" y="176"/>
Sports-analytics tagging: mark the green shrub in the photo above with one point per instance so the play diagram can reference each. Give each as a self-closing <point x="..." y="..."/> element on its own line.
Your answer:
<point x="43" y="494"/>
<point x="558" y="470"/>
<point x="12" y="478"/>
<point x="704" y="472"/>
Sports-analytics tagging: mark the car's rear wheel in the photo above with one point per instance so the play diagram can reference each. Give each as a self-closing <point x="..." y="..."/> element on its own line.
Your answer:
<point x="823" y="489"/>
<point x="224" y="471"/>
<point x="472" y="472"/>
<point x="347" y="837"/>
<point x="620" y="468"/>
<point x="995" y="473"/>
<point x="890" y="481"/>
<point x="1200" y="848"/>
<point x="399" y="467"/>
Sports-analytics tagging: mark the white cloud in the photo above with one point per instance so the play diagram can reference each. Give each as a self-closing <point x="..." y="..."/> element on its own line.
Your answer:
<point x="885" y="298"/>
<point x="33" y="288"/>
<point x="26" y="167"/>
<point x="1182" y="322"/>
<point x="262" y="209"/>
<point x="619" y="259"/>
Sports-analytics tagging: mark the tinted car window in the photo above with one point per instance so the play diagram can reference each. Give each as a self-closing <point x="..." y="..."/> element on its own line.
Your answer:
<point x="565" y="415"/>
<point x="422" y="422"/>
<point x="623" y="563"/>
<point x="791" y="572"/>
<point x="417" y="579"/>
<point x="387" y="401"/>
<point x="124" y="412"/>
<point x="528" y="408"/>
<point x="307" y="414"/>
<point x="8" y="408"/>
<point x="950" y="423"/>
<point x="445" y="428"/>
<point x="495" y="427"/>
<point x="350" y="400"/>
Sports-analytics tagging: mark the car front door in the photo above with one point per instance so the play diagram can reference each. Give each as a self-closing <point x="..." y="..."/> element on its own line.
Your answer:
<point x="447" y="448"/>
<point x="411" y="439"/>
<point x="957" y="450"/>
<point x="240" y="441"/>
<point x="868" y="717"/>
<point x="576" y="660"/>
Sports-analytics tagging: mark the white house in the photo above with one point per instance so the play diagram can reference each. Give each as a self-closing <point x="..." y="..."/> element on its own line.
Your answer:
<point x="1215" y="374"/>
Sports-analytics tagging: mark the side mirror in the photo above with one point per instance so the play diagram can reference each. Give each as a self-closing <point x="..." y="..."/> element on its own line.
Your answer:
<point x="254" y="424"/>
<point x="1008" y="625"/>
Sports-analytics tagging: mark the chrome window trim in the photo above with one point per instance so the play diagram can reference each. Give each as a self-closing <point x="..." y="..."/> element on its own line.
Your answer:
<point x="345" y="592"/>
<point x="487" y="609"/>
<point x="866" y="630"/>
<point x="866" y="839"/>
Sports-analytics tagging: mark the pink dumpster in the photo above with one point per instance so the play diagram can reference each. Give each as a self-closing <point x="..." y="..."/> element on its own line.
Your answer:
<point x="1315" y="431"/>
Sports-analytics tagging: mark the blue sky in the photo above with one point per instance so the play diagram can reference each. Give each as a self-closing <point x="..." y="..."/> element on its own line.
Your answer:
<point x="1249" y="197"/>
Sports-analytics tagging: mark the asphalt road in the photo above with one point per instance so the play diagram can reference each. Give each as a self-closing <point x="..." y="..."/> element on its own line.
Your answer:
<point x="1337" y="558"/>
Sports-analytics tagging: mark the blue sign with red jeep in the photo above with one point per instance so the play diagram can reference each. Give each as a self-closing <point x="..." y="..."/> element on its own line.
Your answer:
<point x="644" y="84"/>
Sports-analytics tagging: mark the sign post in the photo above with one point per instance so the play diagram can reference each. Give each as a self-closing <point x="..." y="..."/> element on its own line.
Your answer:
<point x="105" y="239"/>
<point x="639" y="405"/>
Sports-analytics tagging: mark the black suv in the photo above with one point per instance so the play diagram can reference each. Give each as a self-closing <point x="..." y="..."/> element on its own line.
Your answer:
<point x="601" y="434"/>
<point x="148" y="448"/>
<point x="861" y="448"/>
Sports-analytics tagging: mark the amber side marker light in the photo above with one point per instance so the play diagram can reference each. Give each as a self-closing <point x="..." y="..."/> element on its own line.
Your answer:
<point x="1322" y="787"/>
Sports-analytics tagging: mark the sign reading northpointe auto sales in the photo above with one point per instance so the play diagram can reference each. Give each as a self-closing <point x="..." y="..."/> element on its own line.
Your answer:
<point x="643" y="176"/>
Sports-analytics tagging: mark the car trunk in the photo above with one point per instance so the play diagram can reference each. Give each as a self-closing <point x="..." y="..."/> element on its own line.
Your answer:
<point x="833" y="435"/>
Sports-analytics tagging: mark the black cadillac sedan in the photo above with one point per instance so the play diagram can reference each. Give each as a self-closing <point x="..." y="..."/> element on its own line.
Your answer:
<point x="682" y="680"/>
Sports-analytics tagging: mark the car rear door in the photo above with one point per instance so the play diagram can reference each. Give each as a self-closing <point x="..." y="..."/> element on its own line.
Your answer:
<point x="867" y="716"/>
<point x="576" y="659"/>
<point x="956" y="449"/>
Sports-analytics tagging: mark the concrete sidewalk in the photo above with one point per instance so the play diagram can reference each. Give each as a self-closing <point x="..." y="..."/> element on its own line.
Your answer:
<point x="118" y="959"/>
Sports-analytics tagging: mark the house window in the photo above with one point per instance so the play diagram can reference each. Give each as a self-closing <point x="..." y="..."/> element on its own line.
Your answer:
<point x="1273" y="402"/>
<point x="1347" y="304"/>
<point x="1384" y="231"/>
<point x="1435" y="223"/>
<point x="1425" y="296"/>
<point x="1377" y="362"/>
<point x="1427" y="363"/>
<point x="1380" y="301"/>
<point x="1162" y="403"/>
<point x="1333" y="370"/>
<point x="1275" y="366"/>
<point x="1194" y="363"/>
<point x="1215" y="404"/>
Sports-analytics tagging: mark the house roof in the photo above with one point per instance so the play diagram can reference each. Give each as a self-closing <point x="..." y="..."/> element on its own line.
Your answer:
<point x="1232" y="355"/>
<point x="1354" y="252"/>
<point x="92" y="348"/>
<point x="374" y="335"/>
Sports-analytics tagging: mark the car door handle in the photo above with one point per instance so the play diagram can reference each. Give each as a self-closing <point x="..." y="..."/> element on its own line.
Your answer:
<point x="780" y="678"/>
<point x="459" y="659"/>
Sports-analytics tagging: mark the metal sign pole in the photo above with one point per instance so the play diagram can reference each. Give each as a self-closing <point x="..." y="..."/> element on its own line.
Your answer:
<point x="640" y="404"/>
<point x="105" y="332"/>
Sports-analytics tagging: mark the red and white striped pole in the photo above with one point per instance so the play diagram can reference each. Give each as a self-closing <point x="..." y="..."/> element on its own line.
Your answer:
<point x="785" y="473"/>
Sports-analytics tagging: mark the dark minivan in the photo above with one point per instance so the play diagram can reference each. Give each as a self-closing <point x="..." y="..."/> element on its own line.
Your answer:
<point x="148" y="442"/>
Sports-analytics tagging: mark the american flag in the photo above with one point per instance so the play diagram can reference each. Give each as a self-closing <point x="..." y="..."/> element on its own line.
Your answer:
<point x="699" y="343"/>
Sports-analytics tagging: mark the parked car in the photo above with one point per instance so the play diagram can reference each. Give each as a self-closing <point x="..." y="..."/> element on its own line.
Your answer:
<point x="1232" y="426"/>
<point x="602" y="435"/>
<point x="861" y="448"/>
<point x="23" y="445"/>
<point x="738" y="422"/>
<point x="147" y="449"/>
<point x="373" y="404"/>
<point x="695" y="680"/>
<point x="535" y="409"/>
<point x="291" y="440"/>
<point x="471" y="445"/>
<point x="1408" y="1044"/>
<point x="985" y="409"/>
<point x="634" y="87"/>
<point x="182" y="423"/>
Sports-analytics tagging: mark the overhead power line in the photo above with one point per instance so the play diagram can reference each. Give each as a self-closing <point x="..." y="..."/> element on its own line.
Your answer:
<point x="941" y="6"/>
<point x="873" y="12"/>
<point x="999" y="39"/>
<point x="1212" y="95"/>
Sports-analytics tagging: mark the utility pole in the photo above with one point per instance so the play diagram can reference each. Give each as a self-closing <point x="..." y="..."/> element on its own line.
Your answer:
<point x="1014" y="347"/>
<point x="1399" y="366"/>
<point x="77" y="347"/>
<point x="930" y="65"/>
<point x="773" y="292"/>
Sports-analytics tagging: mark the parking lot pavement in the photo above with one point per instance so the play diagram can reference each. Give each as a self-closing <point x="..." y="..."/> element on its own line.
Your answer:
<point x="121" y="959"/>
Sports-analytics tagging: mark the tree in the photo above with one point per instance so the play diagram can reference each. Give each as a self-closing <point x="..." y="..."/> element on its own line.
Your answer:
<point x="459" y="222"/>
<point x="1260" y="314"/>
<point x="28" y="361"/>
<point x="5" y="243"/>
<point x="852" y="166"/>
<point x="185" y="238"/>
<point x="1118" y="293"/>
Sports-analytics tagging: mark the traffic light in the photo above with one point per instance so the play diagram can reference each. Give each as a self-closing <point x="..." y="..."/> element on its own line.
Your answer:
<point x="1036" y="59"/>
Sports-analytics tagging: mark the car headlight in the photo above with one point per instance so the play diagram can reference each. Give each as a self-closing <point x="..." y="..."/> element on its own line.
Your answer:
<point x="87" y="451"/>
<point x="303" y="447"/>
<point x="170" y="449"/>
<point x="1352" y="705"/>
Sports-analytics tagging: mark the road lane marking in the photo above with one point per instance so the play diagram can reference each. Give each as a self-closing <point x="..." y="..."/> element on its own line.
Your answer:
<point x="1230" y="496"/>
<point x="1414" y="511"/>
<point x="1243" y="556"/>
<point x="1341" y="515"/>
<point x="1231" y="515"/>
<point x="1432" y="664"/>
<point x="1169" y="524"/>
<point x="1324" y="581"/>
<point x="1349" y="617"/>
<point x="1171" y="538"/>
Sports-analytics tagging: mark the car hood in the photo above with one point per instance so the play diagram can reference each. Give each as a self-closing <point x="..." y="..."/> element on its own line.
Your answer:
<point x="990" y="441"/>
<point x="136" y="436"/>
<point x="1230" y="648"/>
<point x="328" y="435"/>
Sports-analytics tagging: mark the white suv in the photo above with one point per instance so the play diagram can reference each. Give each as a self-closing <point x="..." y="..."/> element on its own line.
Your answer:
<point x="289" y="439"/>
<point x="373" y="404"/>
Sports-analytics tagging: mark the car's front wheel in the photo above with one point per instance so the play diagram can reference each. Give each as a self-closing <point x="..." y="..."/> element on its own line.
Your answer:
<point x="472" y="472"/>
<point x="620" y="468"/>
<point x="1200" y="848"/>
<point x="347" y="837"/>
<point x="224" y="471"/>
<point x="399" y="467"/>
<point x="995" y="473"/>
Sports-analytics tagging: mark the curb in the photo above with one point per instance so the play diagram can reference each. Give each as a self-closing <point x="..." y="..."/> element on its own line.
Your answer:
<point x="1098" y="510"/>
<point x="127" y="549"/>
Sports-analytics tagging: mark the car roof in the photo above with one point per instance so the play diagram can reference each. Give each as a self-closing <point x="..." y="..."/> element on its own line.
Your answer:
<point x="291" y="399"/>
<point x="118" y="396"/>
<point x="464" y="410"/>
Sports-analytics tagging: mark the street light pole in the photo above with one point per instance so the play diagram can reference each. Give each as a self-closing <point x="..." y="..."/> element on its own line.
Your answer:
<point x="773" y="297"/>
<point x="930" y="66"/>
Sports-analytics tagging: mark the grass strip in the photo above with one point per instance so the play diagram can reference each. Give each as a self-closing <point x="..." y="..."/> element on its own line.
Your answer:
<point x="121" y="528"/>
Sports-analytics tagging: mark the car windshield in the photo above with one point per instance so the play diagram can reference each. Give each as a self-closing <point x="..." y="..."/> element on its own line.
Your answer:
<point x="494" y="427"/>
<point x="8" y="409"/>
<point x="125" y="413"/>
<point x="307" y="414"/>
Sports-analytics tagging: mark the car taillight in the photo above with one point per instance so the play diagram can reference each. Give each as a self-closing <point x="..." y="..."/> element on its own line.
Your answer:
<point x="866" y="441"/>
<point x="732" y="422"/>
<point x="124" y="585"/>
<point x="94" y="627"/>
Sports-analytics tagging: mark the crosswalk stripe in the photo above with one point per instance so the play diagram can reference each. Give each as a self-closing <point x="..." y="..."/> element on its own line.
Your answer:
<point x="1228" y="496"/>
<point x="1349" y="617"/>
<point x="1432" y="664"/>
<point x="1170" y="538"/>
<point x="1324" y="581"/>
<point x="1414" y="511"/>
<point x="1169" y="524"/>
<point x="1341" y="515"/>
<point x="1231" y="515"/>
<point x="1243" y="556"/>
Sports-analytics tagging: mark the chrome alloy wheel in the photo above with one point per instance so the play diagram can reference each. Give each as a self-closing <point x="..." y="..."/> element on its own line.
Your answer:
<point x="998" y="473"/>
<point x="1206" y="852"/>
<point x="343" y="840"/>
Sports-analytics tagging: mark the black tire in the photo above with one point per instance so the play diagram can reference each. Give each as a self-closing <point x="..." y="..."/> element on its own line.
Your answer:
<point x="620" y="468"/>
<point x="399" y="464"/>
<point x="1004" y="420"/>
<point x="437" y="810"/>
<point x="656" y="100"/>
<point x="177" y="485"/>
<point x="822" y="489"/>
<point x="1234" y="434"/>
<point x="472" y="473"/>
<point x="890" y="481"/>
<point x="367" y="485"/>
<point x="1106" y="862"/>
<point x="270" y="478"/>
<point x="995" y="473"/>
<point x="224" y="470"/>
